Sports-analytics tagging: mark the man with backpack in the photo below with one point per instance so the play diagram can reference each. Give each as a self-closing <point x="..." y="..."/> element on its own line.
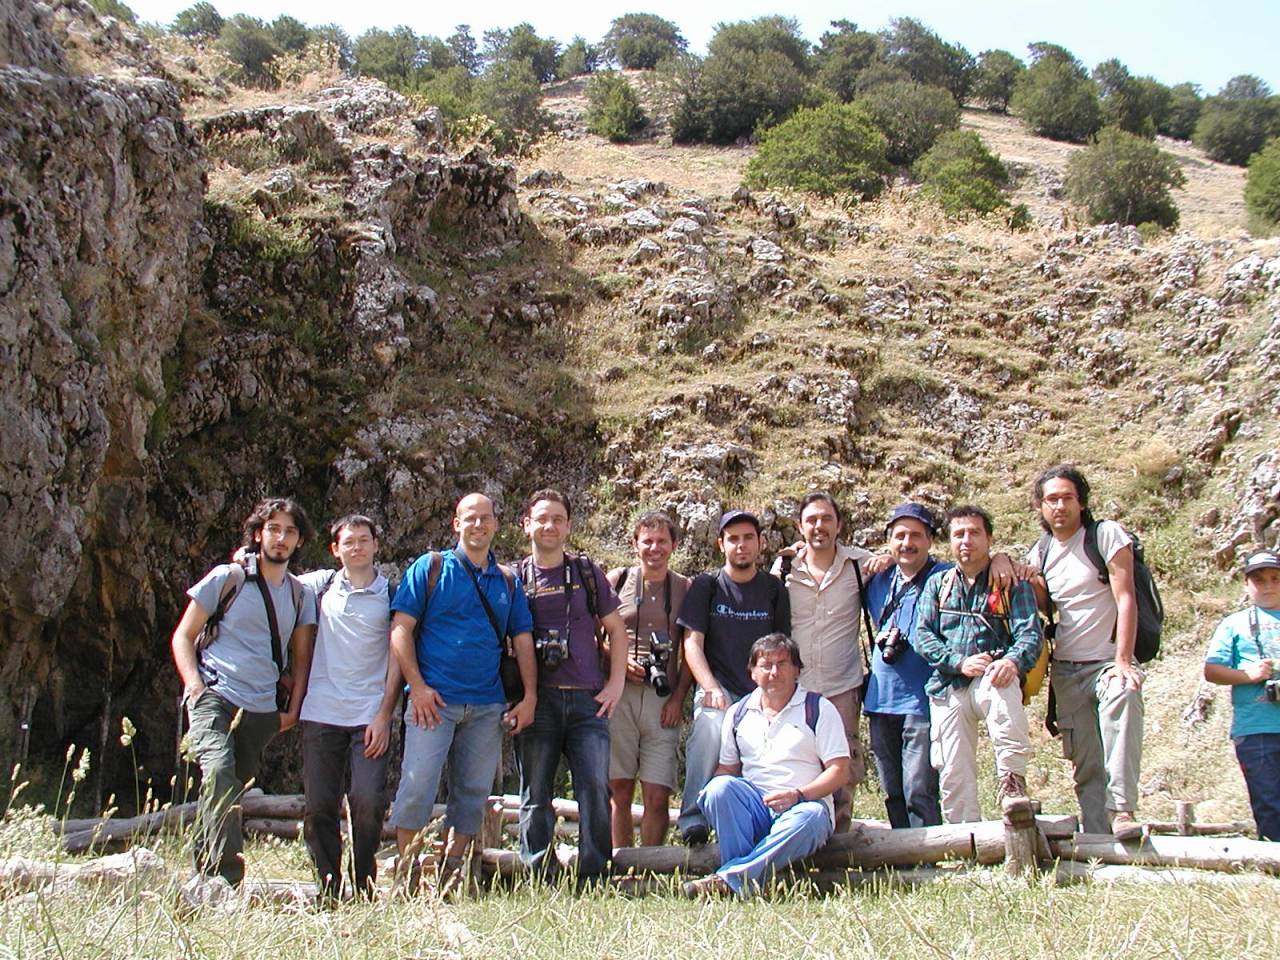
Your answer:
<point x="827" y="592"/>
<point x="241" y="628"/>
<point x="783" y="752"/>
<point x="452" y="618"/>
<point x="1088" y="570"/>
<point x="981" y="643"/>
<point x="352" y="691"/>
<point x="723" y="614"/>
<point x="571" y="600"/>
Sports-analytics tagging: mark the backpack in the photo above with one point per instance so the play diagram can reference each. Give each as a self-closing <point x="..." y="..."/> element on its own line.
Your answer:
<point x="236" y="579"/>
<point x="1150" y="608"/>
<point x="811" y="707"/>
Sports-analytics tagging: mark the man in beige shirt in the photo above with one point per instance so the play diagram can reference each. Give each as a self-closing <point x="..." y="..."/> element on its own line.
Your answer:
<point x="824" y="586"/>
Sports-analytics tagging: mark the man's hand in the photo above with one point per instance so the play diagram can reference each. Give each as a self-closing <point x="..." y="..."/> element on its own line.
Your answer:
<point x="1129" y="674"/>
<point x="875" y="564"/>
<point x="714" y="699"/>
<point x="427" y="704"/>
<point x="635" y="672"/>
<point x="191" y="692"/>
<point x="288" y="718"/>
<point x="521" y="715"/>
<point x="781" y="800"/>
<point x="1259" y="672"/>
<point x="672" y="712"/>
<point x="976" y="665"/>
<point x="608" y="699"/>
<point x="377" y="736"/>
<point x="1002" y="673"/>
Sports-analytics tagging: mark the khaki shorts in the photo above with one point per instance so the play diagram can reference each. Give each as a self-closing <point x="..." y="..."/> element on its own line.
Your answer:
<point x="639" y="746"/>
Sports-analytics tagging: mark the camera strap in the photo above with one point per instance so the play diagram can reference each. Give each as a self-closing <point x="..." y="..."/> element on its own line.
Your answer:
<point x="484" y="601"/>
<point x="277" y="651"/>
<point x="866" y="617"/>
<point x="639" y="594"/>
<point x="891" y="607"/>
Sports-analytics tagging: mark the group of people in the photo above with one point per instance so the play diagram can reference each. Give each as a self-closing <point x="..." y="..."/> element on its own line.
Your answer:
<point x="781" y="663"/>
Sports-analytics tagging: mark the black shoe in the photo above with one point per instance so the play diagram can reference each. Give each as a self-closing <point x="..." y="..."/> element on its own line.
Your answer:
<point x="696" y="836"/>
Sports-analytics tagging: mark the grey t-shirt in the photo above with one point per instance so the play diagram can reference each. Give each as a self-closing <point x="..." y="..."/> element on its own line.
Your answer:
<point x="1085" y="606"/>
<point x="349" y="666"/>
<point x="238" y="665"/>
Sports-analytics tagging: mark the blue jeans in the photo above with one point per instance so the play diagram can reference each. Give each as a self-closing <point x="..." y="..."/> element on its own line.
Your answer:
<point x="754" y="841"/>
<point x="1259" y="756"/>
<point x="701" y="757"/>
<point x="565" y="724"/>
<point x="900" y="743"/>
<point x="469" y="736"/>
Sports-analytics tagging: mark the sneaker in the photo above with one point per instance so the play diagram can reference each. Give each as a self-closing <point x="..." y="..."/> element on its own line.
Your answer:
<point x="696" y="836"/>
<point x="1124" y="825"/>
<point x="713" y="885"/>
<point x="1011" y="785"/>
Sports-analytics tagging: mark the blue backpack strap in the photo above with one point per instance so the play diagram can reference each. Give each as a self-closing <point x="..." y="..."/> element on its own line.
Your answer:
<point x="812" y="703"/>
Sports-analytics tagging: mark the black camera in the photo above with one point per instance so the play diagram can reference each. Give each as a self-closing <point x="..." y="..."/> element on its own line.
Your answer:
<point x="891" y="643"/>
<point x="655" y="662"/>
<point x="551" y="648"/>
<point x="1271" y="690"/>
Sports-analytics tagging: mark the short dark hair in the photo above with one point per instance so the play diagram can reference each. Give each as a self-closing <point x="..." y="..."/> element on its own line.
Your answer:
<point x="656" y="518"/>
<point x="969" y="510"/>
<point x="772" y="642"/>
<point x="1062" y="471"/>
<point x="352" y="520"/>
<point x="547" y="493"/>
<point x="822" y="495"/>
<point x="266" y="508"/>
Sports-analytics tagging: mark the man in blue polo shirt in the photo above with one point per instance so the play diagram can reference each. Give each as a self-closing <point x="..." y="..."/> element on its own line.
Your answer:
<point x="456" y="709"/>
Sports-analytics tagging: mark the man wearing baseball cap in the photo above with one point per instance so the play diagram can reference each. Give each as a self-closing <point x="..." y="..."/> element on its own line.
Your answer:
<point x="1244" y="654"/>
<point x="723" y="614"/>
<point x="896" y="705"/>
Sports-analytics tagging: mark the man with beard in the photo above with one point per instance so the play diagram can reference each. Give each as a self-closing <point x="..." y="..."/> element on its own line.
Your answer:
<point x="259" y="617"/>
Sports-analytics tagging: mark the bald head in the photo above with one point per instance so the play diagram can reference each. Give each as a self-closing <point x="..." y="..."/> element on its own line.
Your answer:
<point x="475" y="524"/>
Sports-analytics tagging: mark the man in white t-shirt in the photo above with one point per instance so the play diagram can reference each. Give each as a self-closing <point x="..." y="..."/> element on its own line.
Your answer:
<point x="1095" y="679"/>
<point x="346" y="717"/>
<point x="783" y="753"/>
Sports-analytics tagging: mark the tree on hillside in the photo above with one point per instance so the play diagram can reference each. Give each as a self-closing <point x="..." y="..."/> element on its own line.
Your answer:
<point x="1122" y="99"/>
<point x="522" y="42"/>
<point x="464" y="48"/>
<point x="1123" y="178"/>
<point x="579" y="58"/>
<point x="613" y="110"/>
<point x="288" y="33"/>
<point x="1262" y="188"/>
<point x="842" y="54"/>
<point x="199" y="20"/>
<point x="333" y="34"/>
<point x="508" y="93"/>
<point x="248" y="42"/>
<point x="926" y="58"/>
<point x="879" y="74"/>
<point x="390" y="56"/>
<point x="1055" y="96"/>
<point x="995" y="77"/>
<point x="114" y="8"/>
<point x="1235" y="124"/>
<point x="778" y="34"/>
<point x="830" y="150"/>
<point x="1184" y="110"/>
<point x="911" y="116"/>
<point x="639" y="41"/>
<point x="961" y="174"/>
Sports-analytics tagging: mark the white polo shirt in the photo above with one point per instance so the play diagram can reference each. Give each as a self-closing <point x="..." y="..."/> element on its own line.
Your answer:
<point x="783" y="753"/>
<point x="353" y="644"/>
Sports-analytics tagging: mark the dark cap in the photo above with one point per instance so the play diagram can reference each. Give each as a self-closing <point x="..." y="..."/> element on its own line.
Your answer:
<point x="1262" y="560"/>
<point x="737" y="516"/>
<point x="913" y="511"/>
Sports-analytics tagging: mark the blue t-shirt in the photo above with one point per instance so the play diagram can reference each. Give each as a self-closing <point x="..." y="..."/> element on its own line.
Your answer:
<point x="898" y="687"/>
<point x="458" y="652"/>
<point x="1233" y="646"/>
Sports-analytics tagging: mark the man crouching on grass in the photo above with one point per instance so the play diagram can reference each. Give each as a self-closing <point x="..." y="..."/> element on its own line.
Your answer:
<point x="783" y="753"/>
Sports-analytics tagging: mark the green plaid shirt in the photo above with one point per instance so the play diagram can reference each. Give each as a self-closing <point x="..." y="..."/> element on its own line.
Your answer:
<point x="968" y="625"/>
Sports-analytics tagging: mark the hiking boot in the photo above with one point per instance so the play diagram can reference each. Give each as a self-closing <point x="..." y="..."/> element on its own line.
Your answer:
<point x="451" y="878"/>
<point x="1124" y="825"/>
<point x="1011" y="785"/>
<point x="696" y="836"/>
<point x="706" y="887"/>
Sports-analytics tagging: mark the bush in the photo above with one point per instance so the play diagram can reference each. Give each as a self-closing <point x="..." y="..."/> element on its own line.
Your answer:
<point x="248" y="42"/>
<point x="1235" y="124"/>
<point x="613" y="109"/>
<point x="114" y="8"/>
<point x="508" y="93"/>
<point x="1055" y="96"/>
<point x="639" y="41"/>
<point x="1262" y="187"/>
<point x="961" y="174"/>
<point x="1183" y="111"/>
<point x="1123" y="178"/>
<point x="829" y="150"/>
<point x="199" y="20"/>
<point x="579" y="58"/>
<point x="911" y="117"/>
<point x="997" y="74"/>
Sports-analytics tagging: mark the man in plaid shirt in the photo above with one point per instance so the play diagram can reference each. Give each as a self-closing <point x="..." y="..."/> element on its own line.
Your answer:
<point x="981" y="643"/>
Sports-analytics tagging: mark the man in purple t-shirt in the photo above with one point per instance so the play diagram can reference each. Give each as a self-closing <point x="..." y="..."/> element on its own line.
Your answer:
<point x="576" y="695"/>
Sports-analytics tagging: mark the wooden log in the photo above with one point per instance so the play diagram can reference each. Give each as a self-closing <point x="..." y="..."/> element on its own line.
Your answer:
<point x="1071" y="871"/>
<point x="568" y="809"/>
<point x="1199" y="829"/>
<point x="1206" y="853"/>
<point x="109" y="832"/>
<point x="1185" y="817"/>
<point x="1021" y="837"/>
<point x="139" y="864"/>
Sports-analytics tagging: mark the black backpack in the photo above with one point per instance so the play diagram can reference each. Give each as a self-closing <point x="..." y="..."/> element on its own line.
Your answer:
<point x="1150" y="608"/>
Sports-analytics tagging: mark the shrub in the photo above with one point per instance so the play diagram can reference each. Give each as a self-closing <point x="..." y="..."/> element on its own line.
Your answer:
<point x="1262" y="188"/>
<point x="639" y="41"/>
<point x="995" y="77"/>
<point x="961" y="174"/>
<point x="579" y="58"/>
<point x="1123" y="178"/>
<point x="1055" y="96"/>
<point x="1183" y="111"/>
<point x="829" y="150"/>
<point x="911" y="117"/>
<point x="199" y="20"/>
<point x="248" y="42"/>
<point x="1235" y="124"/>
<point x="114" y="8"/>
<point x="508" y="93"/>
<point x="613" y="108"/>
